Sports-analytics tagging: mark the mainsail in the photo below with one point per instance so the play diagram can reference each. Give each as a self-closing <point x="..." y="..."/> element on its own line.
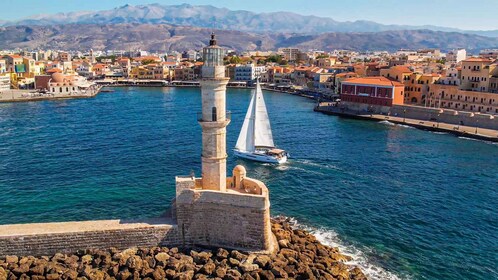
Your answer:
<point x="256" y="130"/>
<point x="262" y="129"/>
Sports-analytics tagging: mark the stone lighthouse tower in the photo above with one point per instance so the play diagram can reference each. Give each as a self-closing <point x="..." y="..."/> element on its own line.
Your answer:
<point x="214" y="210"/>
<point x="213" y="119"/>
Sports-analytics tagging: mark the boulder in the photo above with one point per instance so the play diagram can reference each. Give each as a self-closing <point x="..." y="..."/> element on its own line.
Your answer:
<point x="158" y="273"/>
<point x="202" y="257"/>
<point x="262" y="261"/>
<point x="11" y="259"/>
<point x="221" y="254"/>
<point x="208" y="268"/>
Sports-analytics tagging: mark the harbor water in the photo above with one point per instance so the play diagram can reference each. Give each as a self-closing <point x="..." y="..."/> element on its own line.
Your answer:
<point x="405" y="203"/>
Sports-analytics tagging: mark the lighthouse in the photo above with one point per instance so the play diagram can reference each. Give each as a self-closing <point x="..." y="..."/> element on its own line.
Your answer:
<point x="214" y="118"/>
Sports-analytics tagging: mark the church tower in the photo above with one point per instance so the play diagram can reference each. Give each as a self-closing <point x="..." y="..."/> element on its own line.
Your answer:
<point x="213" y="119"/>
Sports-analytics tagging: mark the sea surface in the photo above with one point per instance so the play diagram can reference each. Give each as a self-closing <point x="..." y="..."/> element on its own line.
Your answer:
<point x="405" y="203"/>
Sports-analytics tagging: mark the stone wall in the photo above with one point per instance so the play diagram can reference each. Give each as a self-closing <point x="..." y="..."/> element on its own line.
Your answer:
<point x="446" y="116"/>
<point x="223" y="219"/>
<point x="69" y="241"/>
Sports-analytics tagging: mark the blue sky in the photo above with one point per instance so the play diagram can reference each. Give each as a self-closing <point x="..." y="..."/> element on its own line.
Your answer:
<point x="464" y="14"/>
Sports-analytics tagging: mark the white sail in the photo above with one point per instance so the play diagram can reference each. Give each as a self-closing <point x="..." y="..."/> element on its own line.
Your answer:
<point x="262" y="130"/>
<point x="246" y="136"/>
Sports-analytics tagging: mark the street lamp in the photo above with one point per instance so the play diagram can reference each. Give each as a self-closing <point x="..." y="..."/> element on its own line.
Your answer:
<point x="476" y="124"/>
<point x="404" y="115"/>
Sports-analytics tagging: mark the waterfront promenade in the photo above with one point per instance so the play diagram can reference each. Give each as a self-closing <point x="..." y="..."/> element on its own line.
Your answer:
<point x="15" y="95"/>
<point x="458" y="130"/>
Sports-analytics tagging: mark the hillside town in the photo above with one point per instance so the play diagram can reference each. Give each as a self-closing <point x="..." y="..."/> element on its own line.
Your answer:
<point x="428" y="78"/>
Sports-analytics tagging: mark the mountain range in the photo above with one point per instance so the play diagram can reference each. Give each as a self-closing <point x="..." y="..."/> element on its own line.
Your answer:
<point x="221" y="18"/>
<point x="164" y="37"/>
<point x="158" y="27"/>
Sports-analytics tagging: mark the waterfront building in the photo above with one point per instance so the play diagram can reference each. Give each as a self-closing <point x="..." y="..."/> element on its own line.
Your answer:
<point x="477" y="74"/>
<point x="400" y="73"/>
<point x="4" y="82"/>
<point x="339" y="77"/>
<point x="417" y="87"/>
<point x="372" y="94"/>
<point x="452" y="97"/>
<point x="14" y="63"/>
<point x="3" y="66"/>
<point x="248" y="72"/>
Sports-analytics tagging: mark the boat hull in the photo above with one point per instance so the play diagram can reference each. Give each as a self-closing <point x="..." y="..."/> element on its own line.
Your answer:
<point x="260" y="157"/>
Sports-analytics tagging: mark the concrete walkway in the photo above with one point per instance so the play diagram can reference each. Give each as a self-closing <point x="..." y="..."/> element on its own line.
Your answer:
<point x="459" y="130"/>
<point x="84" y="226"/>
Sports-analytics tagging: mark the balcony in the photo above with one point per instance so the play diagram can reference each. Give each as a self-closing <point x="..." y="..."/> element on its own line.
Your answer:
<point x="215" y="118"/>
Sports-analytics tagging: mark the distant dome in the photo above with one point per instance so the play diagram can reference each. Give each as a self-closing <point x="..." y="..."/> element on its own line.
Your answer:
<point x="58" y="77"/>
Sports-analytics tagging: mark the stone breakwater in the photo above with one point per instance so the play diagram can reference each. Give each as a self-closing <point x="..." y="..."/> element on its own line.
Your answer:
<point x="300" y="256"/>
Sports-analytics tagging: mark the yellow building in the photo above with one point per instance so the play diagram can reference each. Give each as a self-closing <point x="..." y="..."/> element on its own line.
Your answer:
<point x="399" y="73"/>
<point x="451" y="97"/>
<point x="417" y="87"/>
<point x="477" y="73"/>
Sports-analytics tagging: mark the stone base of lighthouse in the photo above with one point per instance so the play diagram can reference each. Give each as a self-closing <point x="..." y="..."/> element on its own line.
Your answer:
<point x="237" y="218"/>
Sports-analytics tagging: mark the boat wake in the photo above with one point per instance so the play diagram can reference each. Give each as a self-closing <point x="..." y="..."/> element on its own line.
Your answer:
<point x="478" y="140"/>
<point x="330" y="238"/>
<point x="387" y="123"/>
<point x="319" y="165"/>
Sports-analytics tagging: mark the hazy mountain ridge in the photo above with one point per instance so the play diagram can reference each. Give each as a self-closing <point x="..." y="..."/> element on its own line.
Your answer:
<point x="164" y="37"/>
<point x="221" y="18"/>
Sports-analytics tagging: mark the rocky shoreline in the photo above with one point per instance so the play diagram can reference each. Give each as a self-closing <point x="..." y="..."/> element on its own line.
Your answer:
<point x="300" y="256"/>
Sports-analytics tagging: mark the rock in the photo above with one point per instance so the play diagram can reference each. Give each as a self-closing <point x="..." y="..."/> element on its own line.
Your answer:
<point x="24" y="268"/>
<point x="238" y="255"/>
<point x="170" y="273"/>
<point x="158" y="273"/>
<point x="135" y="263"/>
<point x="279" y="272"/>
<point x="37" y="270"/>
<point x="262" y="261"/>
<point x="52" y="276"/>
<point x="208" y="268"/>
<point x="289" y="253"/>
<point x="150" y="261"/>
<point x="248" y="267"/>
<point x="24" y="277"/>
<point x="173" y="250"/>
<point x="220" y="272"/>
<point x="283" y="243"/>
<point x="123" y="275"/>
<point x="202" y="257"/>
<point x="58" y="257"/>
<point x="221" y="254"/>
<point x="233" y="262"/>
<point x="3" y="273"/>
<point x="200" y="277"/>
<point x="233" y="273"/>
<point x="37" y="277"/>
<point x="188" y="275"/>
<point x="71" y="259"/>
<point x="86" y="259"/>
<point x="70" y="274"/>
<point x="162" y="258"/>
<point x="266" y="275"/>
<point x="357" y="274"/>
<point x="11" y="259"/>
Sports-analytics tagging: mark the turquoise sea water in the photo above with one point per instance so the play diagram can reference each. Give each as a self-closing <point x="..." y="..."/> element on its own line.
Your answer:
<point x="405" y="203"/>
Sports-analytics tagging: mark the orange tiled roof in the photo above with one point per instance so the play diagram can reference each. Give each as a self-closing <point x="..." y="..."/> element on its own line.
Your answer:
<point x="402" y="68"/>
<point x="477" y="59"/>
<point x="375" y="81"/>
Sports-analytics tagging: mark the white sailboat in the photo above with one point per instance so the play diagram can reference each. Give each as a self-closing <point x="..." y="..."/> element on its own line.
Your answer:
<point x="255" y="139"/>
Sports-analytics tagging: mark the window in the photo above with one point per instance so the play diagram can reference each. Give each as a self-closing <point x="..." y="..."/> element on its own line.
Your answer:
<point x="214" y="114"/>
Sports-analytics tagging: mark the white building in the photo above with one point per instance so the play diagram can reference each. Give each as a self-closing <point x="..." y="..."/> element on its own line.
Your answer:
<point x="4" y="83"/>
<point x="451" y="77"/>
<point x="248" y="72"/>
<point x="455" y="56"/>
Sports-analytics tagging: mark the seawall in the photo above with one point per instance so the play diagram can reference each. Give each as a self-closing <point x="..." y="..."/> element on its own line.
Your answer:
<point x="454" y="129"/>
<point x="67" y="237"/>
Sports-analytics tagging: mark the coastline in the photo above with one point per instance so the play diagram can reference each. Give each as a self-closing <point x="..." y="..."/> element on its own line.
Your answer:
<point x="457" y="130"/>
<point x="301" y="256"/>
